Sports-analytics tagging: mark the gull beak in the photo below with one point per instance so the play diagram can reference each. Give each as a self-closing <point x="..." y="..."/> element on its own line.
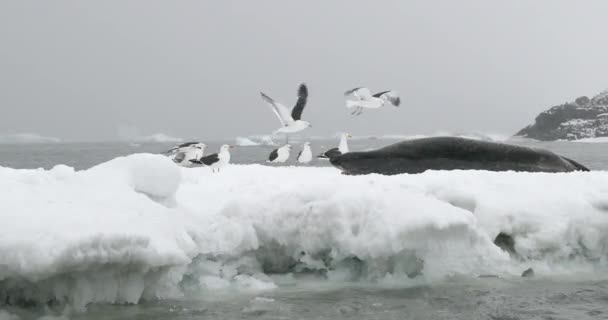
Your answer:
<point x="350" y="135"/>
<point x="231" y="146"/>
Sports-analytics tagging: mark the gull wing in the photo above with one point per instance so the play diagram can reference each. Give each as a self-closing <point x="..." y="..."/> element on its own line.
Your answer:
<point x="273" y="155"/>
<point x="180" y="146"/>
<point x="390" y="96"/>
<point x="296" y="113"/>
<point x="186" y="144"/>
<point x="210" y="159"/>
<point x="361" y="93"/>
<point x="278" y="109"/>
<point x="179" y="157"/>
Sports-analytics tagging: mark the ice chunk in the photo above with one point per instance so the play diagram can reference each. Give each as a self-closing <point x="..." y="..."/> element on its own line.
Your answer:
<point x="133" y="229"/>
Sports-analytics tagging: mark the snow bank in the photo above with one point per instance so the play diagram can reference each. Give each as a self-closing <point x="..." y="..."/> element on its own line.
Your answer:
<point x="140" y="227"/>
<point x="95" y="235"/>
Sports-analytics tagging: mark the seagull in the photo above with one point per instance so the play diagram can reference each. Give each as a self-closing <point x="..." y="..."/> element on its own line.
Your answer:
<point x="279" y="155"/>
<point x="365" y="99"/>
<point x="217" y="160"/>
<point x="183" y="153"/>
<point x="290" y="123"/>
<point x="341" y="149"/>
<point x="305" y="156"/>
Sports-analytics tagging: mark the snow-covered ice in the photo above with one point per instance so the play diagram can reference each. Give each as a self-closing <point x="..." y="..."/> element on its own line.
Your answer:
<point x="141" y="227"/>
<point x="593" y="140"/>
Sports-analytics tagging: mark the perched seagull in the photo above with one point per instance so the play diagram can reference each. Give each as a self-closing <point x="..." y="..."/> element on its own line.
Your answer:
<point x="290" y="122"/>
<point x="365" y="99"/>
<point x="183" y="153"/>
<point x="341" y="149"/>
<point x="217" y="160"/>
<point x="279" y="155"/>
<point x="305" y="156"/>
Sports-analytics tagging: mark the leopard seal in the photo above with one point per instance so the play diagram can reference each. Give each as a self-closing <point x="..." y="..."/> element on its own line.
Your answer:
<point x="452" y="153"/>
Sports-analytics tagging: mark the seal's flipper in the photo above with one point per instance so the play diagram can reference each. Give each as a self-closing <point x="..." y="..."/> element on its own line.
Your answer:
<point x="578" y="166"/>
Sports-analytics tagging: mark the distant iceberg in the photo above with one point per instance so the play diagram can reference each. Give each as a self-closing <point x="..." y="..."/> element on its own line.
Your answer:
<point x="159" y="137"/>
<point x="246" y="142"/>
<point x="141" y="227"/>
<point x="133" y="134"/>
<point x="255" y="140"/>
<point x="27" y="137"/>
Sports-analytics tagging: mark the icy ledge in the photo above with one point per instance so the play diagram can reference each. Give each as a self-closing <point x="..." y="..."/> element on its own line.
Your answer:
<point x="140" y="227"/>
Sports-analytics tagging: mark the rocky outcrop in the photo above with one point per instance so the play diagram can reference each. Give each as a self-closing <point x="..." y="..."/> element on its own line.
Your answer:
<point x="583" y="118"/>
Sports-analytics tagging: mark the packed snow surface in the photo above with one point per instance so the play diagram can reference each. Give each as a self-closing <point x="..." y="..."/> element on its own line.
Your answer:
<point x="141" y="227"/>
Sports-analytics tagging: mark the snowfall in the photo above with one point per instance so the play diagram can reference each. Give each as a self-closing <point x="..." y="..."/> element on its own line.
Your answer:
<point x="139" y="227"/>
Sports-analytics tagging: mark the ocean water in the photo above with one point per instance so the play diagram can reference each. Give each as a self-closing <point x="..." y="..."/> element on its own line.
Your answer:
<point x="464" y="298"/>
<point x="461" y="296"/>
<point x="85" y="155"/>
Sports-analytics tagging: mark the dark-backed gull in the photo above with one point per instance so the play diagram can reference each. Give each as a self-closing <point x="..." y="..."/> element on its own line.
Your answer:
<point x="363" y="98"/>
<point x="279" y="155"/>
<point x="290" y="122"/>
<point x="217" y="160"/>
<point x="183" y="153"/>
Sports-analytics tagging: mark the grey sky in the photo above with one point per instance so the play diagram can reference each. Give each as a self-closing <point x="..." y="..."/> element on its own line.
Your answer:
<point x="84" y="70"/>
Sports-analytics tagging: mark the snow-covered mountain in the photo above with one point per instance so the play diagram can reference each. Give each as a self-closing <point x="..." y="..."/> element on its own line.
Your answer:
<point x="583" y="118"/>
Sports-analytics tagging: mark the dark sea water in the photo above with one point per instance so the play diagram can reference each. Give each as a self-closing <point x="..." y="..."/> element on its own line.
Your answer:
<point x="461" y="297"/>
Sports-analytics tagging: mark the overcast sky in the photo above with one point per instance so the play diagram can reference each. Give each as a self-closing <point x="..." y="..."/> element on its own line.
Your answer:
<point x="92" y="70"/>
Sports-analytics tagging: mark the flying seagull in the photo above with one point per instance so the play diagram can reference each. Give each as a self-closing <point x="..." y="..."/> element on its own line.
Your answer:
<point x="279" y="155"/>
<point x="217" y="160"/>
<point x="290" y="122"/>
<point x="305" y="156"/>
<point x="183" y="153"/>
<point x="341" y="149"/>
<point x="363" y="98"/>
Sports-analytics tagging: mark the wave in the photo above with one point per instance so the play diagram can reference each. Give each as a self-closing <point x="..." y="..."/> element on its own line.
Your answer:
<point x="27" y="137"/>
<point x="139" y="227"/>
